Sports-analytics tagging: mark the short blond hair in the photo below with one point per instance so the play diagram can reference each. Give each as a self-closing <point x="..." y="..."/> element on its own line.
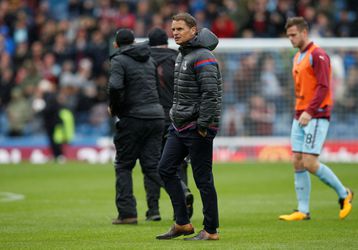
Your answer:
<point x="300" y="22"/>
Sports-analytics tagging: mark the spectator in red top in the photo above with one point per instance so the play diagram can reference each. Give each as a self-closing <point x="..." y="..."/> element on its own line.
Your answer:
<point x="124" y="18"/>
<point x="223" y="26"/>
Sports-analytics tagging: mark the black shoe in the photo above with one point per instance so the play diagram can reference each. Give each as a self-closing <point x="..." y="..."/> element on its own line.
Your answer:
<point x="203" y="235"/>
<point x="126" y="221"/>
<point x="176" y="231"/>
<point x="189" y="199"/>
<point x="155" y="217"/>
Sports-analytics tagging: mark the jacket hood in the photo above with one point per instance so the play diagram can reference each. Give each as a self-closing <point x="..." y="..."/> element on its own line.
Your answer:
<point x="162" y="54"/>
<point x="204" y="39"/>
<point x="138" y="51"/>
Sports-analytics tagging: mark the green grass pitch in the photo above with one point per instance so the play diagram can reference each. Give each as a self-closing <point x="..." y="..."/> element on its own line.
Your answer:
<point x="70" y="206"/>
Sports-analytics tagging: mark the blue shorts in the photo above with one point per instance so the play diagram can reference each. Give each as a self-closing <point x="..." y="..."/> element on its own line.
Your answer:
<point x="310" y="138"/>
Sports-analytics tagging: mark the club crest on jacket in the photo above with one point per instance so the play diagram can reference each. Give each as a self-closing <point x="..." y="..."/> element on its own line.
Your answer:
<point x="185" y="66"/>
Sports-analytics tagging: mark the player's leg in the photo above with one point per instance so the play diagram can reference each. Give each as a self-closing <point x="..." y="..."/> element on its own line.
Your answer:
<point x="301" y="176"/>
<point x="315" y="135"/>
<point x="302" y="184"/>
<point x="327" y="176"/>
<point x="324" y="173"/>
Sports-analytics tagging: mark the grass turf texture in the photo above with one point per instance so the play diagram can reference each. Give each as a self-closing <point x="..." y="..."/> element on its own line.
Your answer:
<point x="70" y="206"/>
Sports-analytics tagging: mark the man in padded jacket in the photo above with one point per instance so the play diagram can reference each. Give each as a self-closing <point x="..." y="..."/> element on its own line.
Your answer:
<point x="195" y="115"/>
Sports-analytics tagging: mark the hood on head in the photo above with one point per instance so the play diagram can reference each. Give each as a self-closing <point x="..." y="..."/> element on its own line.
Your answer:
<point x="162" y="54"/>
<point x="204" y="39"/>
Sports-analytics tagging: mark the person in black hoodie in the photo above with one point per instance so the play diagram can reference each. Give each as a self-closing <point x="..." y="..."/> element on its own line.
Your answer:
<point x="195" y="116"/>
<point x="134" y="101"/>
<point x="165" y="61"/>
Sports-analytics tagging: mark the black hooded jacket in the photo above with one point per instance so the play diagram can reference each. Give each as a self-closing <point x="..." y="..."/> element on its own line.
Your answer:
<point x="165" y="60"/>
<point x="197" y="84"/>
<point x="132" y="87"/>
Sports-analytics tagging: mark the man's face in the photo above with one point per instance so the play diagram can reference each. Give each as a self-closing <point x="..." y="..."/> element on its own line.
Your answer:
<point x="297" y="37"/>
<point x="182" y="33"/>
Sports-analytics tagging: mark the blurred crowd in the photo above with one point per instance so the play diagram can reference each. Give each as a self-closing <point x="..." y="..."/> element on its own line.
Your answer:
<point x="68" y="42"/>
<point x="259" y="96"/>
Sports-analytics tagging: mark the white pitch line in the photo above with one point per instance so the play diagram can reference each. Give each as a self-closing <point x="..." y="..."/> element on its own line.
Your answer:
<point x="10" y="197"/>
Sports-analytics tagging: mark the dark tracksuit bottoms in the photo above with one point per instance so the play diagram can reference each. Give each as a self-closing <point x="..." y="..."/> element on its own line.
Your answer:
<point x="200" y="150"/>
<point x="137" y="139"/>
<point x="152" y="198"/>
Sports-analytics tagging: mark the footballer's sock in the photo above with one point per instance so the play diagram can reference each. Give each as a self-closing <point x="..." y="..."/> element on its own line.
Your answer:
<point x="303" y="190"/>
<point x="326" y="175"/>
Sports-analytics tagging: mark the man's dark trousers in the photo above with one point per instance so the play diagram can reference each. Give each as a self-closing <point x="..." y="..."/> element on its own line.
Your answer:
<point x="137" y="139"/>
<point x="177" y="147"/>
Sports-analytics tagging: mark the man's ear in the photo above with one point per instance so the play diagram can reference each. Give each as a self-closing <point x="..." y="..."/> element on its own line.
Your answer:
<point x="193" y="30"/>
<point x="115" y="45"/>
<point x="305" y="32"/>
